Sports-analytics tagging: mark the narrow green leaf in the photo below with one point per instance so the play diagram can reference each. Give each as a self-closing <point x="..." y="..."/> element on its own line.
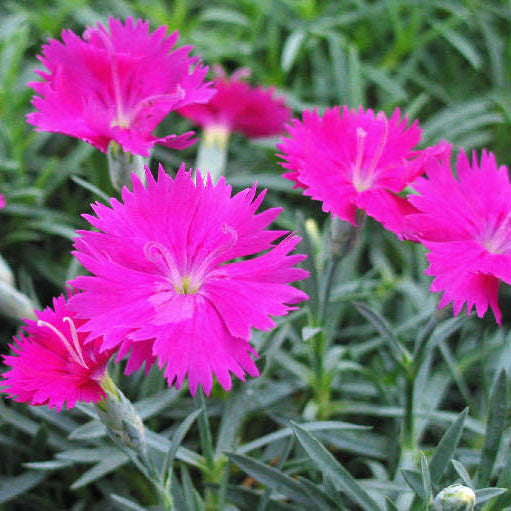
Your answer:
<point x="308" y="332"/>
<point x="355" y="81"/>
<point x="92" y="188"/>
<point x="48" y="465"/>
<point x="390" y="505"/>
<point x="462" y="472"/>
<point x="464" y="46"/>
<point x="12" y="487"/>
<point x="494" y="428"/>
<point x="126" y="504"/>
<point x="291" y="49"/>
<point x="177" y="439"/>
<point x="332" y="469"/>
<point x="272" y="478"/>
<point x="484" y="494"/>
<point x="383" y="329"/>
<point x="309" y="426"/>
<point x="321" y="499"/>
<point x="426" y="478"/>
<point x="192" y="499"/>
<point x="100" y="470"/>
<point x="445" y="449"/>
<point x="414" y="481"/>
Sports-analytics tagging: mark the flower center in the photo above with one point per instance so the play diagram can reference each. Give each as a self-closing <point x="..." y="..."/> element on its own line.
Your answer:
<point x="187" y="277"/>
<point x="363" y="177"/>
<point x="497" y="237"/>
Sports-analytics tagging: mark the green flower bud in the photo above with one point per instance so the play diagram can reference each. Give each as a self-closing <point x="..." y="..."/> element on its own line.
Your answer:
<point x="456" y="498"/>
<point x="14" y="304"/>
<point x="6" y="274"/>
<point x="121" y="419"/>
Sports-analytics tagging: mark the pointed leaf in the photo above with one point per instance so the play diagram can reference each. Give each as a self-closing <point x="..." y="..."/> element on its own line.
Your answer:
<point x="484" y="494"/>
<point x="494" y="428"/>
<point x="426" y="478"/>
<point x="384" y="330"/>
<point x="332" y="469"/>
<point x="126" y="504"/>
<point x="272" y="478"/>
<point x="177" y="439"/>
<point x="446" y="447"/>
<point x="414" y="481"/>
<point x="462" y="472"/>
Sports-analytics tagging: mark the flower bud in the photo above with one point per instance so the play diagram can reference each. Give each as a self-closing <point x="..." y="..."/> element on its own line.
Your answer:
<point x="455" y="498"/>
<point x="120" y="418"/>
<point x="5" y="272"/>
<point x="121" y="164"/>
<point x="14" y="304"/>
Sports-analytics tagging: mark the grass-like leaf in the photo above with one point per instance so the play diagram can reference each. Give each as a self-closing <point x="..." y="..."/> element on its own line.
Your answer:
<point x="332" y="469"/>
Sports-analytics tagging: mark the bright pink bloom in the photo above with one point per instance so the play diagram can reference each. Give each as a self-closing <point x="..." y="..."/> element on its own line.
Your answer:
<point x="52" y="365"/>
<point x="253" y="111"/>
<point x="3" y="202"/>
<point x="117" y="84"/>
<point x="167" y="282"/>
<point x="465" y="223"/>
<point x="350" y="159"/>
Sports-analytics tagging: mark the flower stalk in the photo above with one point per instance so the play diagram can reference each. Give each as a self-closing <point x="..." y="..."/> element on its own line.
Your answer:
<point x="212" y="154"/>
<point x="121" y="164"/>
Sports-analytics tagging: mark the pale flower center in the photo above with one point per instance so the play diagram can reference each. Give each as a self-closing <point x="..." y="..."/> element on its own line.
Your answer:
<point x="363" y="177"/>
<point x="187" y="279"/>
<point x="497" y="238"/>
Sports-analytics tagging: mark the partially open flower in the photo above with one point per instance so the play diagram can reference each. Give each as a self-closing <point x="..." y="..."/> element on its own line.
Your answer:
<point x="354" y="159"/>
<point x="117" y="84"/>
<point x="237" y="106"/>
<point x="465" y="223"/>
<point x="52" y="365"/>
<point x="168" y="283"/>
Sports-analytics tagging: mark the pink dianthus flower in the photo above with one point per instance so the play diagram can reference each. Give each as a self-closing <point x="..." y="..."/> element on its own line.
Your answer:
<point x="3" y="202"/>
<point x="52" y="365"/>
<point x="354" y="159"/>
<point x="237" y="106"/>
<point x="116" y="84"/>
<point x="465" y="223"/>
<point x="168" y="284"/>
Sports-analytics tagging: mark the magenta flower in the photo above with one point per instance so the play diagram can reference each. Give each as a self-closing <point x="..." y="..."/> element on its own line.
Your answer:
<point x="168" y="283"/>
<point x="116" y="84"/>
<point x="52" y="365"/>
<point x="3" y="202"/>
<point x="465" y="223"/>
<point x="236" y="106"/>
<point x="350" y="159"/>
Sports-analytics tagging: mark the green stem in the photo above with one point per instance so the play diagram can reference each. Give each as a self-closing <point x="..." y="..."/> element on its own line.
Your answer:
<point x="205" y="432"/>
<point x="408" y="428"/>
<point x="212" y="154"/>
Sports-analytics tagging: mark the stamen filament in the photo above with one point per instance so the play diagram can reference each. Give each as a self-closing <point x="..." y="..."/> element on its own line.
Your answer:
<point x="381" y="145"/>
<point x="74" y="336"/>
<point x="74" y="355"/>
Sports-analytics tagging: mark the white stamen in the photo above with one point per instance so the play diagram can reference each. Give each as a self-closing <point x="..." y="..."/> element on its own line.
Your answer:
<point x="74" y="336"/>
<point x="155" y="252"/>
<point x="381" y="145"/>
<point x="74" y="355"/>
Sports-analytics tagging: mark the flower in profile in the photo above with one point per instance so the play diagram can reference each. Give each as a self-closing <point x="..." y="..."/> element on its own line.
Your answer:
<point x="354" y="159"/>
<point x="3" y="202"/>
<point x="237" y="106"/>
<point x="168" y="283"/>
<point x="52" y="365"/>
<point x="465" y="223"/>
<point x="116" y="84"/>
